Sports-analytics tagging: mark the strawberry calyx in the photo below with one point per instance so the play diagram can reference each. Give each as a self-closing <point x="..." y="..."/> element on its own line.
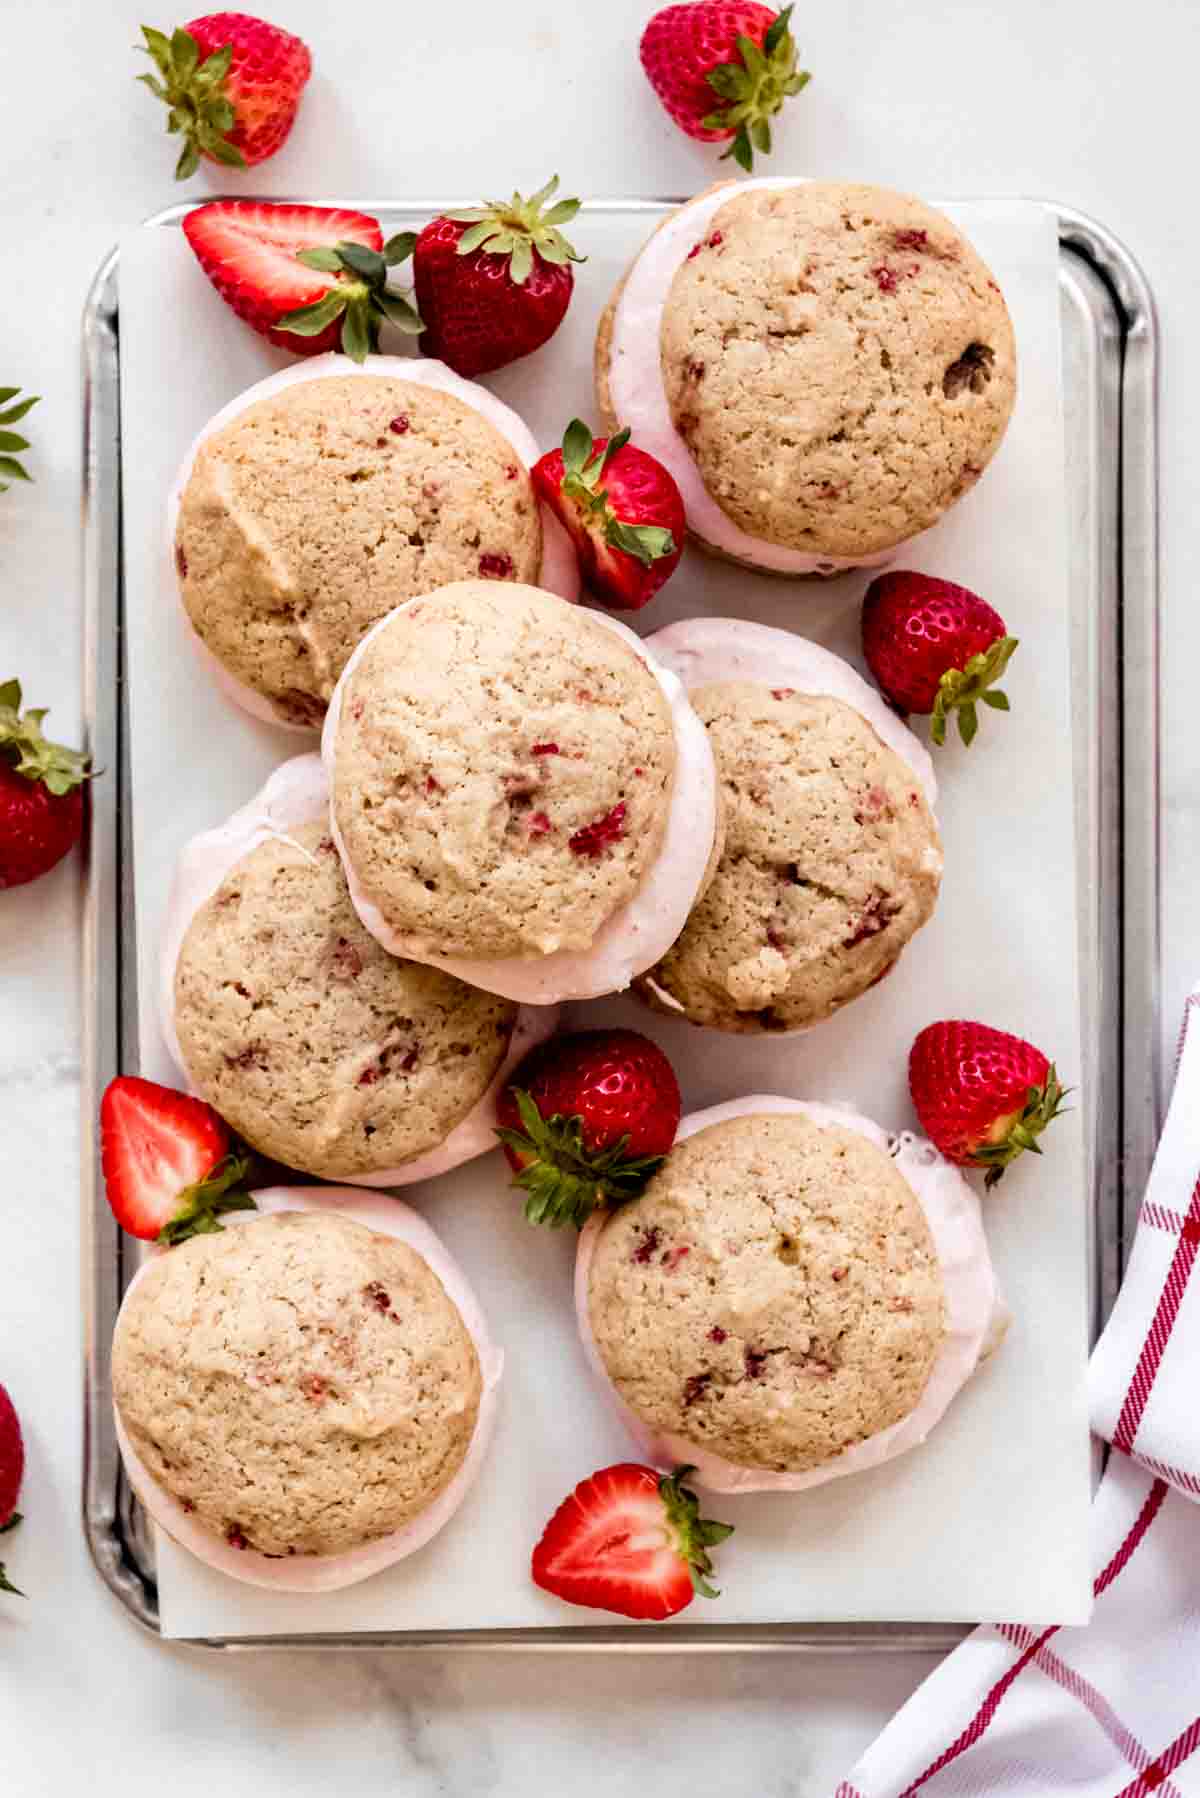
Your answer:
<point x="691" y="1535"/>
<point x="193" y="87"/>
<point x="360" y="296"/>
<point x="1018" y="1131"/>
<point x="756" y="87"/>
<point x="565" y="1180"/>
<point x="960" y="689"/>
<point x="583" y="471"/>
<point x="6" y="1584"/>
<point x="27" y="749"/>
<point x="516" y="228"/>
<point x="202" y="1206"/>
<point x="11" y="442"/>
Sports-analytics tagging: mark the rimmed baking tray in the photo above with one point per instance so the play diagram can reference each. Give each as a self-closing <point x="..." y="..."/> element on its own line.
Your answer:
<point x="1110" y="351"/>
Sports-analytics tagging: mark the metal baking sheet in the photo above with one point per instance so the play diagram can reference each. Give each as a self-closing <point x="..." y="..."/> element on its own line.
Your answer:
<point x="1110" y="353"/>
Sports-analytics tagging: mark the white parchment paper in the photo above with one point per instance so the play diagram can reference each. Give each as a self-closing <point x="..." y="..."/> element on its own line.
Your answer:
<point x="989" y="1519"/>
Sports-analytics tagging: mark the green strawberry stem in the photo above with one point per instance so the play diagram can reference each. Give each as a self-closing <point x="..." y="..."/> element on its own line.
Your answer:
<point x="26" y="748"/>
<point x="194" y="91"/>
<point x="961" y="688"/>
<point x="692" y="1535"/>
<point x="583" y="470"/>
<point x="516" y="228"/>
<point x="6" y="1584"/>
<point x="360" y="297"/>
<point x="1042" y="1105"/>
<point x="11" y="442"/>
<point x="566" y="1181"/>
<point x="203" y="1205"/>
<point x="756" y="87"/>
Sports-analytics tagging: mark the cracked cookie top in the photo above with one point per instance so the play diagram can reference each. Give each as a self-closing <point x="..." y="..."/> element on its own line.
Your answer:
<point x="775" y="1296"/>
<point x="322" y="507"/>
<point x="301" y="1384"/>
<point x="831" y="864"/>
<point x="502" y="771"/>
<point x="839" y="363"/>
<point x="317" y="1046"/>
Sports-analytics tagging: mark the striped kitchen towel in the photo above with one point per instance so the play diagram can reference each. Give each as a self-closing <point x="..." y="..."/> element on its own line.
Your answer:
<point x="1111" y="1710"/>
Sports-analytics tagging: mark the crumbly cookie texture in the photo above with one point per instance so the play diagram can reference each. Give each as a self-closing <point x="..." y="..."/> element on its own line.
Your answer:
<point x="301" y="1384"/>
<point x="502" y="773"/>
<point x="320" y="1048"/>
<point x="318" y="510"/>
<point x="831" y="863"/>
<point x="775" y="1295"/>
<point x="839" y="363"/>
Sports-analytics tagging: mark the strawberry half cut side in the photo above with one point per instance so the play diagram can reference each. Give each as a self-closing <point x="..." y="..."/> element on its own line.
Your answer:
<point x="168" y="1169"/>
<point x="632" y="1541"/>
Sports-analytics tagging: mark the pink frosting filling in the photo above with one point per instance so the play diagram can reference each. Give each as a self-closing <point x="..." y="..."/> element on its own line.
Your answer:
<point x="328" y="1573"/>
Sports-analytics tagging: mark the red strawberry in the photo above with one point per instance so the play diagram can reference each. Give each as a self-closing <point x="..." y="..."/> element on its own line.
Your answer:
<point x="494" y="282"/>
<point x="168" y="1171"/>
<point x="723" y="69"/>
<point x="310" y="278"/>
<point x="233" y="84"/>
<point x="982" y="1096"/>
<point x="11" y="442"/>
<point x="623" y="510"/>
<point x="585" y="1121"/>
<point x="935" y="647"/>
<point x="12" y="1467"/>
<point x="41" y="793"/>
<point x="629" y="1540"/>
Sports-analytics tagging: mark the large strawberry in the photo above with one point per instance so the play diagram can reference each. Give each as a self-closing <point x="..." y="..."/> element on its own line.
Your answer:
<point x="723" y="69"/>
<point x="586" y="1120"/>
<point x="232" y="83"/>
<point x="493" y="282"/>
<point x="41" y="793"/>
<point x="935" y="647"/>
<point x="310" y="278"/>
<point x="623" y="510"/>
<point x="12" y="1469"/>
<point x="629" y="1540"/>
<point x="168" y="1172"/>
<point x="983" y="1096"/>
<point x="11" y="442"/>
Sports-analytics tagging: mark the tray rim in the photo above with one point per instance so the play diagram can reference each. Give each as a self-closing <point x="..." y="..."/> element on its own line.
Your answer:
<point x="111" y="1520"/>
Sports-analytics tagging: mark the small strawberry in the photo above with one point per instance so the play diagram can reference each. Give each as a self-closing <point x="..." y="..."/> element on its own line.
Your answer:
<point x="723" y="69"/>
<point x="233" y="84"/>
<point x="623" y="511"/>
<point x="586" y="1120"/>
<point x="494" y="282"/>
<point x="41" y="793"/>
<point x="310" y="278"/>
<point x="168" y="1172"/>
<point x="12" y="1468"/>
<point x="11" y="442"/>
<point x="935" y="647"/>
<point x="629" y="1540"/>
<point x="983" y="1096"/>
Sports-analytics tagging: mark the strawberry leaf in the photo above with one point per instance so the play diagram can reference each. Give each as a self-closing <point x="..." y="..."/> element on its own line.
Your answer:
<point x="11" y="441"/>
<point x="755" y="88"/>
<point x="565" y="1179"/>
<point x="519" y="228"/>
<point x="26" y="748"/>
<point x="203" y="1205"/>
<point x="310" y="321"/>
<point x="1042" y="1105"/>
<point x="647" y="543"/>
<point x="960" y="688"/>
<point x="328" y="262"/>
<point x="777" y="30"/>
<point x="399" y="248"/>
<point x="691" y="1535"/>
<point x="194" y="92"/>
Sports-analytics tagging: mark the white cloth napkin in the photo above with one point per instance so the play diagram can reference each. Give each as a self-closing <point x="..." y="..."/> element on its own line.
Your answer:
<point x="1111" y="1710"/>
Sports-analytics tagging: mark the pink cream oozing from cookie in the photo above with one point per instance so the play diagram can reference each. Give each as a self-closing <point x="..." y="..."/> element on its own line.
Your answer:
<point x="639" y="398"/>
<point x="559" y="572"/>
<point x="297" y="794"/>
<point x="329" y="1573"/>
<point x="641" y="931"/>
<point x="976" y="1316"/>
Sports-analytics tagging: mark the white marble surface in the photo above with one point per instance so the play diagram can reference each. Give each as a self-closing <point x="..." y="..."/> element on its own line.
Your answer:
<point x="1083" y="102"/>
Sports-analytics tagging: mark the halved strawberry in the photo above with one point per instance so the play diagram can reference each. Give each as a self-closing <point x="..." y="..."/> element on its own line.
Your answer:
<point x="309" y="278"/>
<point x="168" y="1172"/>
<point x="623" y="510"/>
<point x="629" y="1540"/>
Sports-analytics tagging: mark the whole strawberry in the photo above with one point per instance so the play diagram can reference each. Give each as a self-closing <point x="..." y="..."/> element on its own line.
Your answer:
<point x="11" y="442"/>
<point x="723" y="69"/>
<point x="983" y="1096"/>
<point x="494" y="282"/>
<point x="12" y="1469"/>
<point x="586" y="1120"/>
<point x="232" y="83"/>
<point x="41" y="793"/>
<point x="935" y="647"/>
<point x="623" y="511"/>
